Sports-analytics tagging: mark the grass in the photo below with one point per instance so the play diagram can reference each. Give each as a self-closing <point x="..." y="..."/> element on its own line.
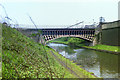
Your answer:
<point x="77" y="68"/>
<point x="0" y="51"/>
<point x="24" y="58"/>
<point x="54" y="41"/>
<point x="105" y="47"/>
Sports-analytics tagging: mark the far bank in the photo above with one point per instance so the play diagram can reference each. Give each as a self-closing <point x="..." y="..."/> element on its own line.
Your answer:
<point x="76" y="42"/>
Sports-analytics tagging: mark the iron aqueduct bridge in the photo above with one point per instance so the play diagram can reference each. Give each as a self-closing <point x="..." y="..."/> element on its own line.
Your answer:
<point x="54" y="33"/>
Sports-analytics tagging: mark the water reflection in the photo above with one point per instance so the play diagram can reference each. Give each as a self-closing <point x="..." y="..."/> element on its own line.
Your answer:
<point x="101" y="64"/>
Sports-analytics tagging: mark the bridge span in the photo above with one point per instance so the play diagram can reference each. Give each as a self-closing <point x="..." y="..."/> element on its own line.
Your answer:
<point x="54" y="33"/>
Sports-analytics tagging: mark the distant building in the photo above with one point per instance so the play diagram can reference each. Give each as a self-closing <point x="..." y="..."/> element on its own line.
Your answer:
<point x="101" y="19"/>
<point x="119" y="10"/>
<point x="90" y="26"/>
<point x="5" y="23"/>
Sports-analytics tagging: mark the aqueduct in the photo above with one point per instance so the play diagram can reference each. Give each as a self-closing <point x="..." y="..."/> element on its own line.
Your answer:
<point x="50" y="34"/>
<point x="54" y="33"/>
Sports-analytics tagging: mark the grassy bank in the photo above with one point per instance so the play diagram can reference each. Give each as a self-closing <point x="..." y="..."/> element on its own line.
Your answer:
<point x="0" y="51"/>
<point x="81" y="43"/>
<point x="54" y="41"/>
<point x="105" y="47"/>
<point x="77" y="68"/>
<point x="24" y="58"/>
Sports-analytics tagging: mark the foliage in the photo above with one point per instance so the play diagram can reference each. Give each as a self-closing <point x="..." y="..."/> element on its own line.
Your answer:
<point x="75" y="41"/>
<point x="0" y="51"/>
<point x="81" y="72"/>
<point x="54" y="41"/>
<point x="33" y="35"/>
<point x="24" y="58"/>
<point x="63" y="39"/>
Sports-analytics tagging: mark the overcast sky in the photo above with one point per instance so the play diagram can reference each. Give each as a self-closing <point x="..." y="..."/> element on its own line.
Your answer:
<point x="59" y="12"/>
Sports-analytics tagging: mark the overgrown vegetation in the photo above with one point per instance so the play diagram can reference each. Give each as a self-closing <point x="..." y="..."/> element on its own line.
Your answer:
<point x="75" y="42"/>
<point x="0" y="51"/>
<point x="24" y="58"/>
<point x="63" y="40"/>
<point x="76" y="68"/>
<point x="35" y="34"/>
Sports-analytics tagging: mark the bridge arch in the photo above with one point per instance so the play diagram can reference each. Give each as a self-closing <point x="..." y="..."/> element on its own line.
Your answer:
<point x="53" y="37"/>
<point x="54" y="33"/>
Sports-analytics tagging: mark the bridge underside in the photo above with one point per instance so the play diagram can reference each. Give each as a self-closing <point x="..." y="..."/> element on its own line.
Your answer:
<point x="50" y="34"/>
<point x="53" y="37"/>
<point x="86" y="34"/>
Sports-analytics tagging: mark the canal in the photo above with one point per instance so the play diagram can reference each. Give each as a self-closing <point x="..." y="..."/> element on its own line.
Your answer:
<point x="100" y="63"/>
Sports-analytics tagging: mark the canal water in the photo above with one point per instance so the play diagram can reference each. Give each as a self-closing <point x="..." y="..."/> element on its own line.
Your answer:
<point x="100" y="63"/>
